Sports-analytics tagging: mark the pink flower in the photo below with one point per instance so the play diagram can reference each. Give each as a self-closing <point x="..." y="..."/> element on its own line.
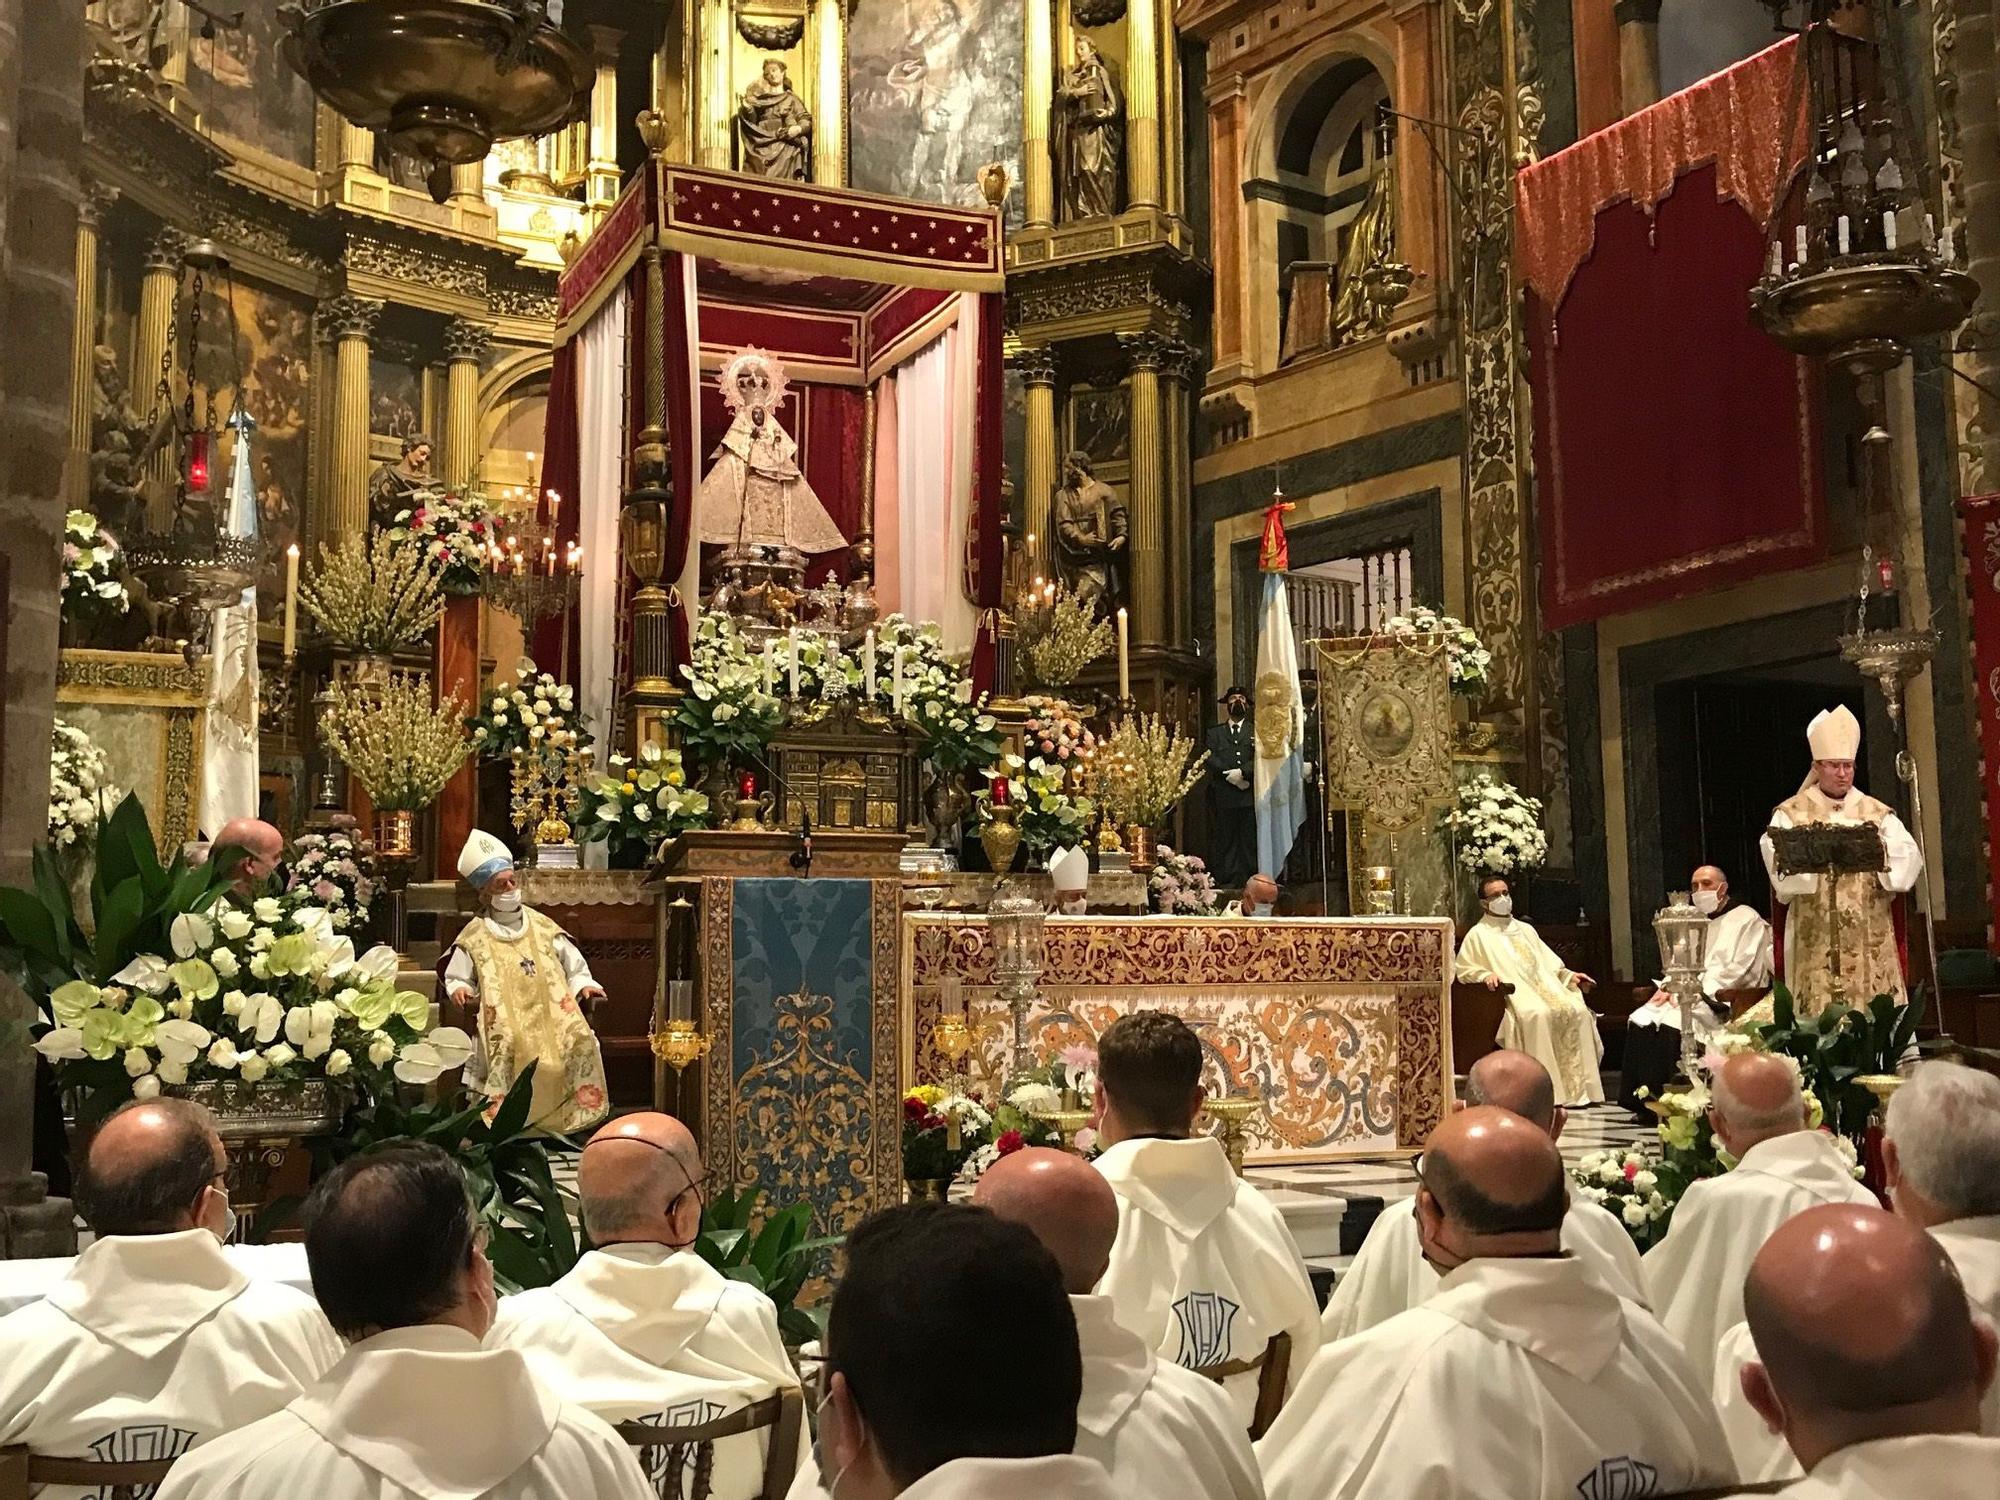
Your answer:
<point x="70" y="553"/>
<point x="1078" y="1058"/>
<point x="326" y="890"/>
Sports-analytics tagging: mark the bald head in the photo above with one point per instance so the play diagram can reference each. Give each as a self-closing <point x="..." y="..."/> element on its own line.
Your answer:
<point x="1066" y="1203"/>
<point x="634" y="1180"/>
<point x="262" y="847"/>
<point x="153" y="1168"/>
<point x="1755" y="1097"/>
<point x="1493" y="1185"/>
<point x="1862" y="1331"/>
<point x="1515" y="1082"/>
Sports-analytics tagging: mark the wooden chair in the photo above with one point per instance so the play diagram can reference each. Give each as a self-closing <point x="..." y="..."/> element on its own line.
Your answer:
<point x="781" y="1413"/>
<point x="22" y="1473"/>
<point x="1763" y="1487"/>
<point x="1273" y="1367"/>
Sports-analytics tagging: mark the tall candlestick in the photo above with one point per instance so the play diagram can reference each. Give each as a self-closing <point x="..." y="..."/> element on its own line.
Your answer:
<point x="896" y="685"/>
<point x="792" y="642"/>
<point x="1889" y="229"/>
<point x="291" y="599"/>
<point x="1840" y="233"/>
<point x="1777" y="258"/>
<point x="1944" y="245"/>
<point x="1801" y="244"/>
<point x="868" y="665"/>
<point x="1124" y="657"/>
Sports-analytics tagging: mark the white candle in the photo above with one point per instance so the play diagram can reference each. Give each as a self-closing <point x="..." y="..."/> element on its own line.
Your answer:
<point x="793" y="680"/>
<point x="291" y="599"/>
<point x="896" y="685"/>
<point x="1124" y="657"/>
<point x="1889" y="230"/>
<point x="868" y="665"/>
<point x="1840" y="233"/>
<point x="1777" y="258"/>
<point x="1801" y="244"/>
<point x="770" y="669"/>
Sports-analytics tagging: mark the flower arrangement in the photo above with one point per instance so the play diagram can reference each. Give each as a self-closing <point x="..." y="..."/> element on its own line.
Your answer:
<point x="1181" y="885"/>
<point x="373" y="597"/>
<point x="80" y="791"/>
<point x="1495" y="829"/>
<point x="1062" y="638"/>
<point x="398" y="746"/>
<point x="1051" y="815"/>
<point x="957" y="732"/>
<point x="1146" y="766"/>
<point x="1838" y="1045"/>
<point x="529" y="711"/>
<point x="91" y="562"/>
<point x="1628" y="1184"/>
<point x="1470" y="662"/>
<point x="1066" y="1081"/>
<point x="335" y="871"/>
<point x="454" y="532"/>
<point x="727" y="712"/>
<point x="940" y="1131"/>
<point x="640" y="801"/>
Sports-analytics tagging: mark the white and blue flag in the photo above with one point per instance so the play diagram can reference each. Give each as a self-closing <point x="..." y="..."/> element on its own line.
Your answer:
<point x="1280" y="711"/>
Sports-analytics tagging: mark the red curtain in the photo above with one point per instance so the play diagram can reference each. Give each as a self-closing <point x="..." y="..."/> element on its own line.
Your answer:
<point x="1981" y="517"/>
<point x="1676" y="444"/>
<point x="682" y="461"/>
<point x="560" y="478"/>
<point x="986" y="543"/>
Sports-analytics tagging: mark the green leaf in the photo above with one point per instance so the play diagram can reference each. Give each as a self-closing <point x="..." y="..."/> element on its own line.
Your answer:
<point x="27" y="925"/>
<point x="1784" y="1015"/>
<point x="517" y="1262"/>
<point x="117" y="922"/>
<point x="749" y="1275"/>
<point x="54" y="893"/>
<point x="513" y="1112"/>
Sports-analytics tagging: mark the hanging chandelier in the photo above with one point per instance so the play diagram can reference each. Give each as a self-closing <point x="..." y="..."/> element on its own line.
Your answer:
<point x="442" y="79"/>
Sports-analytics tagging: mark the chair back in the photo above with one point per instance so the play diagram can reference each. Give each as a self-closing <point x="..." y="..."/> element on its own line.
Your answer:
<point x="22" y="1473"/>
<point x="1731" y="1491"/>
<point x="672" y="1455"/>
<point x="1273" y="1367"/>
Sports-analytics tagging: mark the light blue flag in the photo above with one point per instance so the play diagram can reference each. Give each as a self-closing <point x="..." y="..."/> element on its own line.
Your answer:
<point x="1281" y="732"/>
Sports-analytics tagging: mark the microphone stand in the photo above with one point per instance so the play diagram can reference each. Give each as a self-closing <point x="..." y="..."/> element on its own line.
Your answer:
<point x="802" y="859"/>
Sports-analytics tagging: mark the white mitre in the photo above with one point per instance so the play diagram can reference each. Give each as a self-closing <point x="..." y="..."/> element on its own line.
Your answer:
<point x="1834" y="734"/>
<point x="482" y="858"/>
<point x="1070" y="869"/>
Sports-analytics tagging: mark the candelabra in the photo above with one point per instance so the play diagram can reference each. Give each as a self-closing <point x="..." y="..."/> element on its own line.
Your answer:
<point x="546" y="795"/>
<point x="526" y="578"/>
<point x="1016" y="921"/>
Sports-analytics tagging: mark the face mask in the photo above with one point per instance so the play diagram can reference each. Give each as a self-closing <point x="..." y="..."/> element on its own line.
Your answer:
<point x="1501" y="906"/>
<point x="830" y="1485"/>
<point x="1706" y="902"/>
<point x="228" y="1231"/>
<point x="1260" y="909"/>
<point x="506" y="901"/>
<point x="1238" y="708"/>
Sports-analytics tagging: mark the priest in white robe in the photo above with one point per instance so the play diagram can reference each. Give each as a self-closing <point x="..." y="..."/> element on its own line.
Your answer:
<point x="1758" y="1114"/>
<point x="643" y="1329"/>
<point x="1840" y="933"/>
<point x="416" y="1410"/>
<point x="1521" y="1378"/>
<point x="1545" y="1016"/>
<point x="1870" y="1361"/>
<point x="1204" y="1269"/>
<point x="1390" y="1274"/>
<point x="155" y="1341"/>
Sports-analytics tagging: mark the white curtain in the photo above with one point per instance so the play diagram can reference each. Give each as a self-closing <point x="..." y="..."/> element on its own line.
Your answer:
<point x="934" y="400"/>
<point x="600" y="398"/>
<point x="229" y="755"/>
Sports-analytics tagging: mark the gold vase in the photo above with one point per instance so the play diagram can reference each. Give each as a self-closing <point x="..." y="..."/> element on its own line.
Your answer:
<point x="1139" y="844"/>
<point x="1000" y="836"/>
<point x="396" y="834"/>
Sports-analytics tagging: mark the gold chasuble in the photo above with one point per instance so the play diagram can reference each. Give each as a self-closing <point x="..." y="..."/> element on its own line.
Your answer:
<point x="527" y="1015"/>
<point x="1856" y="912"/>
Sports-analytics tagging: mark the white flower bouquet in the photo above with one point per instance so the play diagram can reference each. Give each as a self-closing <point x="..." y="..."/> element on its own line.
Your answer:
<point x="1052" y="816"/>
<point x="457" y="533"/>
<point x="1628" y="1184"/>
<point x="1495" y="829"/>
<point x="1181" y="885"/>
<point x="641" y="801"/>
<point x="1471" y="663"/>
<point x="530" y="711"/>
<point x="336" y="872"/>
<point x="91" y="562"/>
<point x="80" y="790"/>
<point x="729" y="710"/>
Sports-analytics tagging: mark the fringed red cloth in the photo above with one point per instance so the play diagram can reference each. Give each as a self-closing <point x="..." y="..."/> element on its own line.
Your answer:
<point x="1980" y="515"/>
<point x="557" y="502"/>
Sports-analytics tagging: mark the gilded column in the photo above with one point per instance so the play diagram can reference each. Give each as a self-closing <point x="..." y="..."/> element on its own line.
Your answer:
<point x="357" y="147"/>
<point x="716" y="144"/>
<point x="829" y="32"/>
<point x="1173" y="165"/>
<point x="465" y="344"/>
<point x="1146" y="504"/>
<point x="351" y="320"/>
<point x="1038" y="477"/>
<point x="1638" y="53"/>
<point x="602" y="180"/>
<point x="153" y="333"/>
<point x="468" y="183"/>
<point x="1038" y="60"/>
<point x="83" y="351"/>
<point x="1183" y="370"/>
<point x="1142" y="104"/>
<point x="1228" y="229"/>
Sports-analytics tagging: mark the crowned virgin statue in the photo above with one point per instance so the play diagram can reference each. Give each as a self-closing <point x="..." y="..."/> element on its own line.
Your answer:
<point x="755" y="495"/>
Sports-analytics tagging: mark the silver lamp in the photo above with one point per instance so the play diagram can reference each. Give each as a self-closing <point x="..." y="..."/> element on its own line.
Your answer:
<point x="1681" y="930"/>
<point x="1016" y="920"/>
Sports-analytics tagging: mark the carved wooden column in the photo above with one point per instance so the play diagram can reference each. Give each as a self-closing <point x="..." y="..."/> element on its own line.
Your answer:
<point x="153" y="333"/>
<point x="1142" y="104"/>
<point x="1038" y="469"/>
<point x="351" y="321"/>
<point x="356" y="147"/>
<point x="1038" y="60"/>
<point x="465" y="344"/>
<point x="1173" y="163"/>
<point x="1146" y="503"/>
<point x="829" y="94"/>
<point x="1638" y="53"/>
<point x="83" y="347"/>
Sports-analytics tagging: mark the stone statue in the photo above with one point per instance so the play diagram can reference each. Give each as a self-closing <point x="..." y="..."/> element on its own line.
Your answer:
<point x="1091" y="135"/>
<point x="137" y="29"/>
<point x="392" y="487"/>
<point x="121" y="441"/>
<point x="755" y="496"/>
<point x="1091" y="532"/>
<point x="775" y="128"/>
<point x="1372" y="283"/>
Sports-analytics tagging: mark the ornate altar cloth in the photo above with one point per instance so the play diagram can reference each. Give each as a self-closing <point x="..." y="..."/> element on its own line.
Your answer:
<point x="1341" y="1026"/>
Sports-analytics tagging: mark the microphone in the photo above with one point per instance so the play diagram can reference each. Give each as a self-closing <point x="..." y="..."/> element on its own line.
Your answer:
<point x="802" y="858"/>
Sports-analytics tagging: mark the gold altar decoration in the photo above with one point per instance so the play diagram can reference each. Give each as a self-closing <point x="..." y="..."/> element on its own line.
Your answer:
<point x="680" y="1043"/>
<point x="1065" y="1121"/>
<point x="1144" y="768"/>
<point x="547" y="787"/>
<point x="1000" y="835"/>
<point x="1232" y="1115"/>
<point x="259" y="1123"/>
<point x="396" y="835"/>
<point x="374" y="595"/>
<point x="526" y="579"/>
<point x="844" y="767"/>
<point x="147" y="711"/>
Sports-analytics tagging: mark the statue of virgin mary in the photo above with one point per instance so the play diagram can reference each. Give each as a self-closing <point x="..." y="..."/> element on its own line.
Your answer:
<point x="755" y="496"/>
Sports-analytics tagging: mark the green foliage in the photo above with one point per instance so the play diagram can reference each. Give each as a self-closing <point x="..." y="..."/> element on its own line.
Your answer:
<point x="1840" y="1044"/>
<point x="777" y="1259"/>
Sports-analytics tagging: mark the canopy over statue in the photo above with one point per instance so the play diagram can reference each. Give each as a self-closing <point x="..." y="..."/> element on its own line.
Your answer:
<point x="755" y="495"/>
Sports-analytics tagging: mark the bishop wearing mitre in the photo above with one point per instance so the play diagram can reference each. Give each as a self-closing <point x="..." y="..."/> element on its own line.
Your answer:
<point x="1840" y="932"/>
<point x="520" y="981"/>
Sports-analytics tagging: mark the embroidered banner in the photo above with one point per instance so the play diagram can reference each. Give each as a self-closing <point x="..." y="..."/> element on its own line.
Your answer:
<point x="1981" y="515"/>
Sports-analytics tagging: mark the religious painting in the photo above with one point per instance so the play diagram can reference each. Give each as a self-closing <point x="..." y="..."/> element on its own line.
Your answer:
<point x="395" y="399"/>
<point x="246" y="90"/>
<point x="1100" y="423"/>
<point x="259" y="340"/>
<point x="935" y="94"/>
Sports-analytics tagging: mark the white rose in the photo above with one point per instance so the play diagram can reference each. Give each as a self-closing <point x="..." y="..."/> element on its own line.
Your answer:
<point x="262" y="939"/>
<point x="180" y="1009"/>
<point x="234" y="924"/>
<point x="337" y="1063"/>
<point x="171" y="1072"/>
<point x="266" y="909"/>
<point x="381" y="1050"/>
<point x="233" y="1003"/>
<point x="1634" y="1212"/>
<point x="224" y="963"/>
<point x="1645" y="1182"/>
<point x="146" y="1088"/>
<point x="260" y="967"/>
<point x="281" y="1054"/>
<point x="138" y="1062"/>
<point x="253" y="1067"/>
<point x="222" y="1054"/>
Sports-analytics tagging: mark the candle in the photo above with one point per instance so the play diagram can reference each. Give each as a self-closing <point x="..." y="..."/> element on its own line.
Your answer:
<point x="1124" y="657"/>
<point x="1777" y="258"/>
<point x="1889" y="230"/>
<point x="868" y="665"/>
<point x="770" y="671"/>
<point x="896" y="685"/>
<point x="999" y="791"/>
<point x="1840" y="233"/>
<point x="1930" y="230"/>
<point x="1801" y="243"/>
<point x="746" y="786"/>
<point x="792" y="642"/>
<point x="952" y="994"/>
<point x="680" y="999"/>
<point x="291" y="600"/>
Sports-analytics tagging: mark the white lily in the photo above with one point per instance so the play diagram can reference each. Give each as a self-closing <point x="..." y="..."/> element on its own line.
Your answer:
<point x="191" y="934"/>
<point x="147" y="972"/>
<point x="64" y="1044"/>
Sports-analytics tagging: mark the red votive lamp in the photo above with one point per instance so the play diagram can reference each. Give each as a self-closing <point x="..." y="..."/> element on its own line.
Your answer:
<point x="746" y="785"/>
<point x="999" y="791"/>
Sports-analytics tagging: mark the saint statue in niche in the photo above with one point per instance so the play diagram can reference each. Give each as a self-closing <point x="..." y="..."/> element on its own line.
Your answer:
<point x="1091" y="131"/>
<point x="1091" y="535"/>
<point x="774" y="127"/>
<point x="392" y="488"/>
<point x="755" y="495"/>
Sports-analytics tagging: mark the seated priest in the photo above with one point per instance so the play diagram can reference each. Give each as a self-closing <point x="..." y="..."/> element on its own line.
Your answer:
<point x="263" y="847"/>
<point x="416" y="1410"/>
<point x="1855" y="911"/>
<point x="1204" y="1269"/>
<point x="1545" y="1014"/>
<point x="1259" y="899"/>
<point x="1782" y="1168"/>
<point x="155" y="1340"/>
<point x="1522" y="1377"/>
<point x="1069" y="873"/>
<point x="1870" y="1361"/>
<point x="1391" y="1275"/>
<point x="643" y="1329"/>
<point x="1737" y="956"/>
<point x="516" y="981"/>
<point x="952" y="1366"/>
<point x="1941" y="1150"/>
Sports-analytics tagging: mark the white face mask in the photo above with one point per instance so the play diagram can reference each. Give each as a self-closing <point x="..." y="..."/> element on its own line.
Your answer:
<point x="506" y="902"/>
<point x="1501" y="906"/>
<point x="1260" y="908"/>
<point x="1706" y="902"/>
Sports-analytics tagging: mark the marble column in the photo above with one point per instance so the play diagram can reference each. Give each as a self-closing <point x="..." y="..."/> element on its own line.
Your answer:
<point x="1142" y="104"/>
<point x="153" y="333"/>
<point x="829" y="101"/>
<point x="1183" y="371"/>
<point x="83" y="347"/>
<point x="465" y="344"/>
<point x="1638" y="53"/>
<point x="1146" y="502"/>
<point x="1038" y="60"/>
<point x="1038" y="465"/>
<point x="351" y="320"/>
